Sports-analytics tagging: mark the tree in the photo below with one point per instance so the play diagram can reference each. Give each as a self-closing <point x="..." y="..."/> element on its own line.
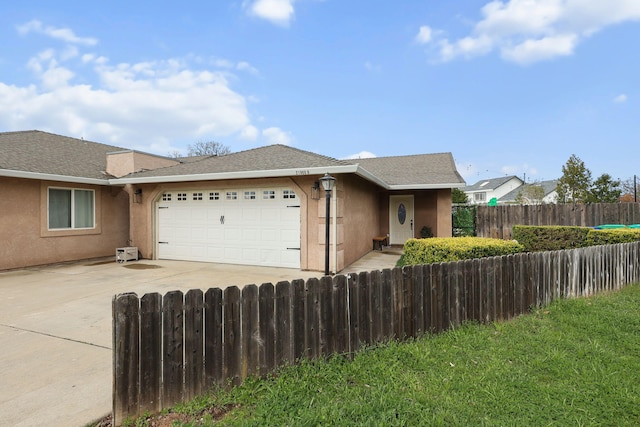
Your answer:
<point x="209" y="148"/>
<point x="530" y="194"/>
<point x="605" y="190"/>
<point x="630" y="190"/>
<point x="575" y="183"/>
<point x="459" y="196"/>
<point x="175" y="154"/>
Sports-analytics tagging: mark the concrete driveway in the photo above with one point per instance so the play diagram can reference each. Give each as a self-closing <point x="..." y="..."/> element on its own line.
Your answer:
<point x="55" y="328"/>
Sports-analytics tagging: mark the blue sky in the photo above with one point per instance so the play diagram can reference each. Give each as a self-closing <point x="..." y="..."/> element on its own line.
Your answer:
<point x="508" y="87"/>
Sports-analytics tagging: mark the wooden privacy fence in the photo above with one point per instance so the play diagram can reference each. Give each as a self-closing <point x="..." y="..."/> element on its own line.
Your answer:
<point x="497" y="221"/>
<point x="168" y="349"/>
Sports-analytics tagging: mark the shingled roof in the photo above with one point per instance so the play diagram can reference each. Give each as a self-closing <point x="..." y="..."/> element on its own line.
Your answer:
<point x="415" y="170"/>
<point x="41" y="155"/>
<point x="271" y="157"/>
<point x="49" y="156"/>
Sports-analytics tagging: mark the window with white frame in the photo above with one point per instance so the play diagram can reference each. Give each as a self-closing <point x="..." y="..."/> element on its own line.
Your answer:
<point x="479" y="197"/>
<point x="249" y="195"/>
<point x="71" y="208"/>
<point x="232" y="195"/>
<point x="288" y="194"/>
<point x="214" y="195"/>
<point x="166" y="197"/>
<point x="197" y="196"/>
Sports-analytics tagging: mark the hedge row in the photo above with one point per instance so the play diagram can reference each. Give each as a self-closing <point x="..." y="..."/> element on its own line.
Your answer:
<point x="551" y="238"/>
<point x="446" y="249"/>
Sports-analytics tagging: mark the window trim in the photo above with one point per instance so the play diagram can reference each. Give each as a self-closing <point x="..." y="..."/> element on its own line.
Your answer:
<point x="73" y="197"/>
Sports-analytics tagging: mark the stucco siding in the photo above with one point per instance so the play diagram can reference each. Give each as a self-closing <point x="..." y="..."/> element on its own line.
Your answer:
<point x="24" y="234"/>
<point x="361" y="217"/>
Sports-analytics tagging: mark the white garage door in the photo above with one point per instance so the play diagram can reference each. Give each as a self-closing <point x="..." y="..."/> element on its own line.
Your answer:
<point x="237" y="226"/>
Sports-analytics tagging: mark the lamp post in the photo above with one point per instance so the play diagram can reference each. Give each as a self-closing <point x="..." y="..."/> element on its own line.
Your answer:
<point x="327" y="183"/>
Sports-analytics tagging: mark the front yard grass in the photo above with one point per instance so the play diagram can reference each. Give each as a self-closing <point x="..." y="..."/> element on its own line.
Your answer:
<point x="575" y="362"/>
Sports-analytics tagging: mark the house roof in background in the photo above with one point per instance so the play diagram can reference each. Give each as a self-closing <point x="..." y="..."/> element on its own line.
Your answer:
<point x="44" y="155"/>
<point x="547" y="186"/>
<point x="490" y="184"/>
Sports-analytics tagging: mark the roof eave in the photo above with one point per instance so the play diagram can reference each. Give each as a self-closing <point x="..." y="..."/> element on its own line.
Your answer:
<point x="52" y="177"/>
<point x="274" y="173"/>
<point x="362" y="172"/>
<point x="425" y="186"/>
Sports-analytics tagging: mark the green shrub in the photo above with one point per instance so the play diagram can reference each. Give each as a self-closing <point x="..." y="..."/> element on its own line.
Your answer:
<point x="425" y="232"/>
<point x="612" y="236"/>
<point x="446" y="249"/>
<point x="550" y="238"/>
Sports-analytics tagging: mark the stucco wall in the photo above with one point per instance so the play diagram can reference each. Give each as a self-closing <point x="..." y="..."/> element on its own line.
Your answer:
<point x="26" y="241"/>
<point x="125" y="162"/>
<point x="361" y="217"/>
<point x="433" y="209"/>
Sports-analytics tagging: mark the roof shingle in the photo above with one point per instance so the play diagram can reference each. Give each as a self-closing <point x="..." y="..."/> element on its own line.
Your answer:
<point x="46" y="153"/>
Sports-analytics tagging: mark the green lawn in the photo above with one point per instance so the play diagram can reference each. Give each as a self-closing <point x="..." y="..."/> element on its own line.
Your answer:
<point x="576" y="362"/>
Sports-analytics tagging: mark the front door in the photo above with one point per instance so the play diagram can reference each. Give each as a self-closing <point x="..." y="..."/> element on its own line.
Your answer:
<point x="400" y="219"/>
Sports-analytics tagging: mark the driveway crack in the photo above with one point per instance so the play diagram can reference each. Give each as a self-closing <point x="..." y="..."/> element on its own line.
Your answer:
<point x="55" y="336"/>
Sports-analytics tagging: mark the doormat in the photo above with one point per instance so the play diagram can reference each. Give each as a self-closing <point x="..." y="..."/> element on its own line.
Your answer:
<point x="141" y="266"/>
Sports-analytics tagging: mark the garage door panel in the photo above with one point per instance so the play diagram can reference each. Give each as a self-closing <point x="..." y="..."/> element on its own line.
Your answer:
<point x="254" y="231"/>
<point x="270" y="235"/>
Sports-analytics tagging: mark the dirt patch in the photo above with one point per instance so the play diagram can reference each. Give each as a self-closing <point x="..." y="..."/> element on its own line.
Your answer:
<point x="141" y="266"/>
<point x="171" y="419"/>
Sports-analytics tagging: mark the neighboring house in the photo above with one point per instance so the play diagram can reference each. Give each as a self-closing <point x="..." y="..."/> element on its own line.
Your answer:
<point x="483" y="191"/>
<point x="68" y="199"/>
<point x="523" y="196"/>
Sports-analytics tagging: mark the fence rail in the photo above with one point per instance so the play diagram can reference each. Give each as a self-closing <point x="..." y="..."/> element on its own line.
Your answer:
<point x="167" y="349"/>
<point x="497" y="221"/>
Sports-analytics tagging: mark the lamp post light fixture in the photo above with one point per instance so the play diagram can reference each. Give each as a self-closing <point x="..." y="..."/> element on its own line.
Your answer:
<point x="327" y="182"/>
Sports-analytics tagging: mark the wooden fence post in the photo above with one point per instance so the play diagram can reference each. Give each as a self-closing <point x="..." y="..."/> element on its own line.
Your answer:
<point x="251" y="341"/>
<point x="193" y="343"/>
<point x="266" y="302"/>
<point x="340" y="327"/>
<point x="283" y="323"/>
<point x="213" y="351"/>
<point x="126" y="353"/>
<point x="232" y="338"/>
<point x="150" y="353"/>
<point x="172" y="347"/>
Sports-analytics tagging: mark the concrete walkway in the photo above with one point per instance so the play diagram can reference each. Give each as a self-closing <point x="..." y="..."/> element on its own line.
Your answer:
<point x="55" y="328"/>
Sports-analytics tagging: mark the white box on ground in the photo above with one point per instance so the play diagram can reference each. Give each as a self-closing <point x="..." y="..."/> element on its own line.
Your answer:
<point x="129" y="253"/>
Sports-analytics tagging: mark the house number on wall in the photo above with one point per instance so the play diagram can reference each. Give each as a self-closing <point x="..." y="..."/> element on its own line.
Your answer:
<point x="402" y="214"/>
<point x="302" y="172"/>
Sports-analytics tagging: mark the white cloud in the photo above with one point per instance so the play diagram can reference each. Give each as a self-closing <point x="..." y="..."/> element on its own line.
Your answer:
<point x="275" y="135"/>
<point x="250" y="133"/>
<point x="424" y="35"/>
<point x="279" y="12"/>
<point x="245" y="66"/>
<point x="64" y="34"/>
<point x="622" y="98"/>
<point x="541" y="49"/>
<point x="527" y="31"/>
<point x="361" y="155"/>
<point x="148" y="106"/>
